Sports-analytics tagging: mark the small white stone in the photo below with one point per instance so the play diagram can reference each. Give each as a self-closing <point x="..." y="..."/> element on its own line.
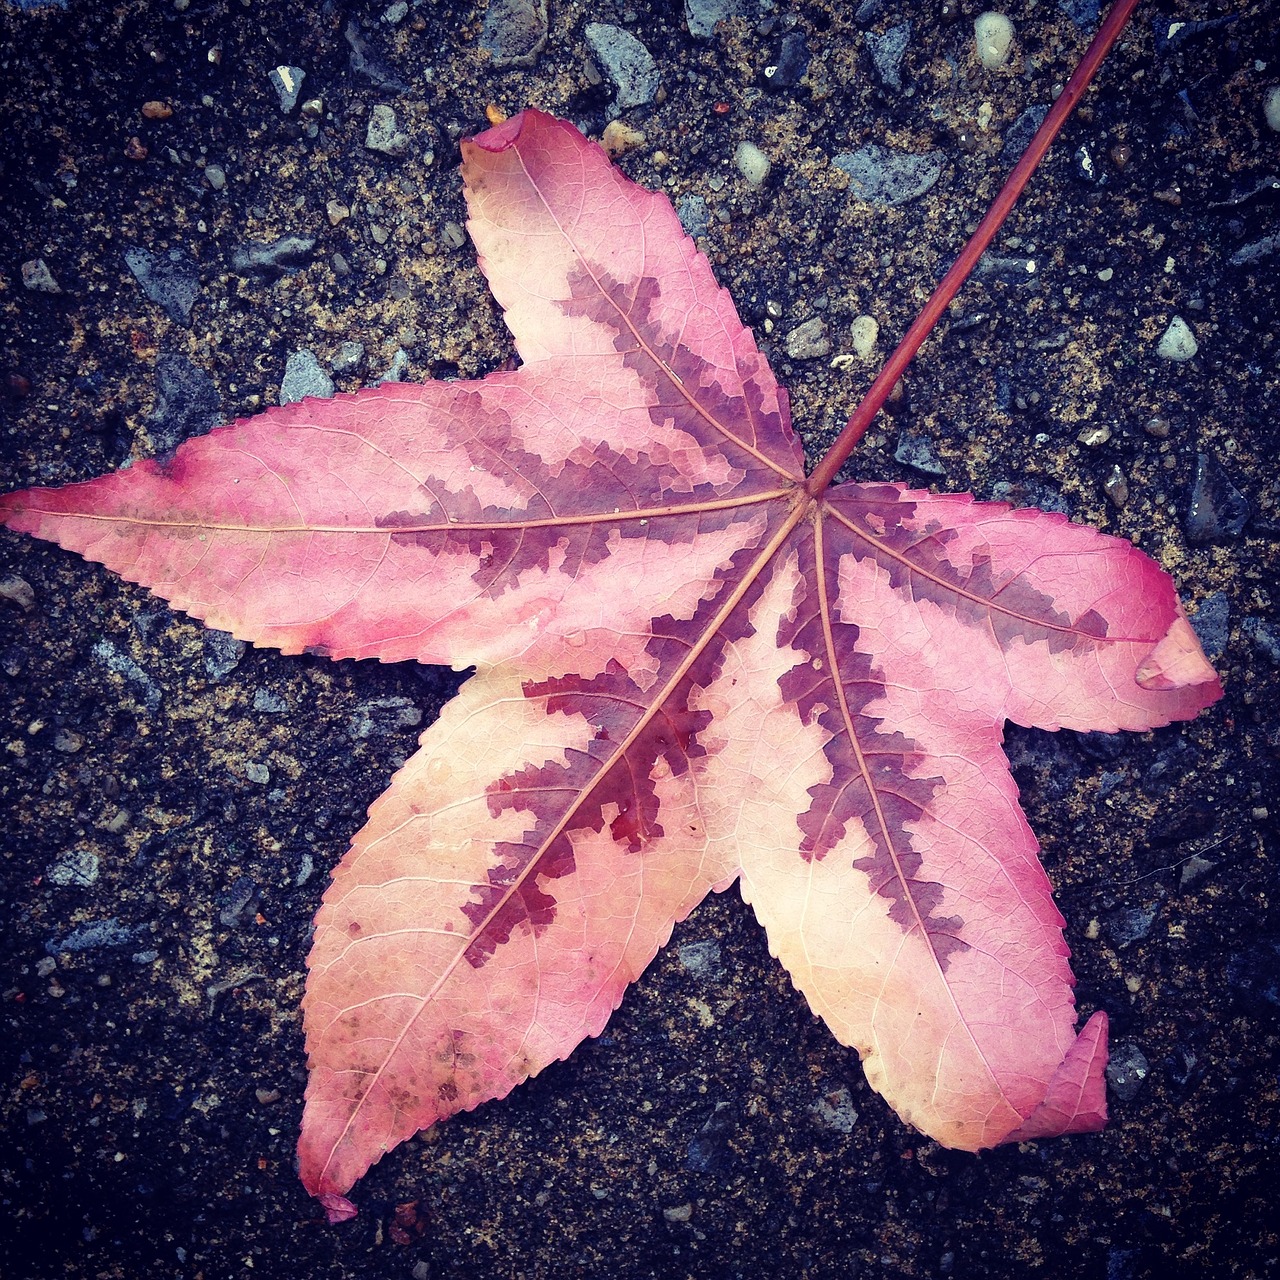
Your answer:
<point x="993" y="33"/>
<point x="864" y="331"/>
<point x="1271" y="107"/>
<point x="1178" y="342"/>
<point x="752" y="163"/>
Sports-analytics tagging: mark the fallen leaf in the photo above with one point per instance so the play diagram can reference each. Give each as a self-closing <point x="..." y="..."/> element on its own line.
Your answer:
<point x="691" y="667"/>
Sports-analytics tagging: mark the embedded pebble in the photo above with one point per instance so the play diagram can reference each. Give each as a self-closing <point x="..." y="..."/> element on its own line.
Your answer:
<point x="287" y="82"/>
<point x="1212" y="624"/>
<point x="752" y="163"/>
<point x="1218" y="510"/>
<point x="337" y="212"/>
<point x="1116" y="487"/>
<point x="395" y="371"/>
<point x="258" y="773"/>
<point x="918" y="453"/>
<point x="1271" y="107"/>
<point x="216" y="176"/>
<point x="1177" y="342"/>
<point x="700" y="959"/>
<point x="1126" y="1071"/>
<point x="1086" y="166"/>
<point x="885" y="176"/>
<point x="709" y="1149"/>
<point x="222" y="653"/>
<point x="1014" y="270"/>
<point x="75" y="869"/>
<point x="120" y="663"/>
<point x="887" y="52"/>
<point x="1264" y="637"/>
<point x="681" y="1213"/>
<point x="1170" y="766"/>
<point x="68" y="741"/>
<point x="187" y="402"/>
<point x="89" y="937"/>
<point x="514" y="32"/>
<point x="453" y="235"/>
<point x="626" y="62"/>
<point x="1030" y="493"/>
<point x="835" y="1110"/>
<point x="18" y="591"/>
<point x="37" y="277"/>
<point x="1194" y="869"/>
<point x="304" y="377"/>
<point x="383" y="132"/>
<point x="864" y="332"/>
<point x="788" y="68"/>
<point x="694" y="215"/>
<point x="272" y="703"/>
<point x="349" y="357"/>
<point x="1084" y="13"/>
<point x="272" y="257"/>
<point x="1128" y="925"/>
<point x="809" y="340"/>
<point x="365" y="62"/>
<point x="1263" y="247"/>
<point x="993" y="35"/>
<point x="701" y="16"/>
<point x="382" y="716"/>
<point x="1021" y="131"/>
<point x="169" y="280"/>
<point x="233" y="902"/>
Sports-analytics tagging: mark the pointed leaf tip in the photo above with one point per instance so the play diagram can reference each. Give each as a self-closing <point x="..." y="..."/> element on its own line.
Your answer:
<point x="501" y="136"/>
<point x="1076" y="1099"/>
<point x="338" y="1208"/>
<point x="1178" y="661"/>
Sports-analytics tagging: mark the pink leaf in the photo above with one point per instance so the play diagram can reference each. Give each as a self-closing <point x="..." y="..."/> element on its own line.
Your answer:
<point x="689" y="668"/>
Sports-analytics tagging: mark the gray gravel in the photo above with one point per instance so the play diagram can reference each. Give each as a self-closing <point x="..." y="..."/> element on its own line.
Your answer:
<point x="886" y="176"/>
<point x="627" y="63"/>
<point x="304" y="377"/>
<point x="169" y="280"/>
<point x="515" y="31"/>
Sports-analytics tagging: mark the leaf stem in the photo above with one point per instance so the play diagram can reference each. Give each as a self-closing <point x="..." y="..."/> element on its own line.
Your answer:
<point x="873" y="401"/>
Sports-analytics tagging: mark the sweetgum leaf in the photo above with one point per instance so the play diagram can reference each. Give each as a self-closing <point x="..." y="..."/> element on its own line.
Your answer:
<point x="689" y="670"/>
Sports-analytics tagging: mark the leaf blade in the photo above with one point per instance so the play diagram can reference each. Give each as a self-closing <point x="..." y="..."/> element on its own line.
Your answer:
<point x="1051" y="624"/>
<point x="586" y="263"/>
<point x="523" y="947"/>
<point x="870" y="977"/>
<point x="301" y="528"/>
